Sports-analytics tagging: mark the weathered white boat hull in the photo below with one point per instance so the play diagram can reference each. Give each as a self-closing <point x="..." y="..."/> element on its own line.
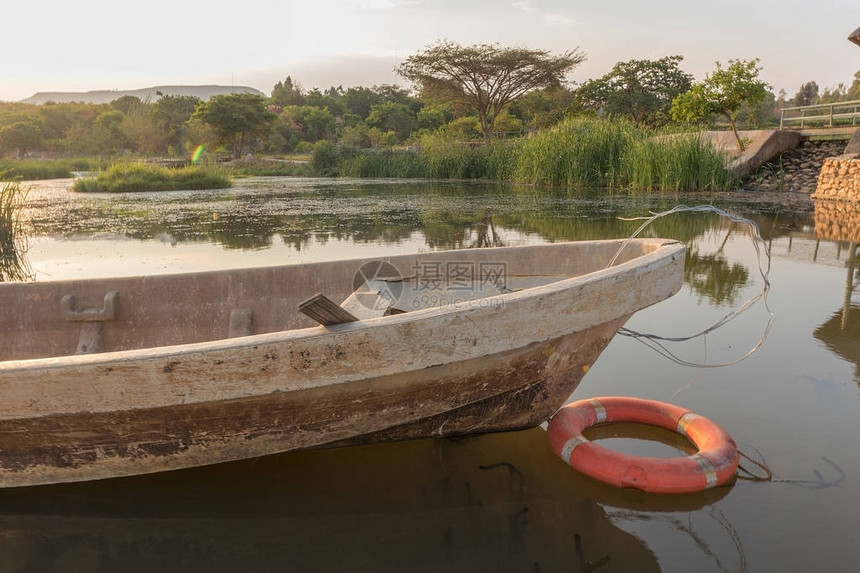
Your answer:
<point x="508" y="362"/>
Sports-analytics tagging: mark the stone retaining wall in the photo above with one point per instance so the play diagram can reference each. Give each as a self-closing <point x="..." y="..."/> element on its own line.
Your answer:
<point x="839" y="179"/>
<point x="837" y="200"/>
<point x="837" y="220"/>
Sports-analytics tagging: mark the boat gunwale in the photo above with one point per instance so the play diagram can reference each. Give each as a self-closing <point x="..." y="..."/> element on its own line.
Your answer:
<point x="664" y="248"/>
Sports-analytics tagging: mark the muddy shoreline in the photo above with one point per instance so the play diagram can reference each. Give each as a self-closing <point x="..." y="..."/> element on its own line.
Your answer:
<point x="766" y="201"/>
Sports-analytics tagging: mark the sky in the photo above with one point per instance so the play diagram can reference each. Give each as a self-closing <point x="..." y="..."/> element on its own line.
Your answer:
<point x="69" y="45"/>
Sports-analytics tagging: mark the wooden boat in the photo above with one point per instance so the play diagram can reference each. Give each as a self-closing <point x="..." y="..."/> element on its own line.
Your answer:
<point x="113" y="377"/>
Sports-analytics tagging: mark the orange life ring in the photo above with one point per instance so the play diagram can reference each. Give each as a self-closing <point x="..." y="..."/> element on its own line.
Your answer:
<point x="714" y="464"/>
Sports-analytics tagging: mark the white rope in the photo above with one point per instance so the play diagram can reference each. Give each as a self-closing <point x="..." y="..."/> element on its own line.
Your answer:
<point x="654" y="341"/>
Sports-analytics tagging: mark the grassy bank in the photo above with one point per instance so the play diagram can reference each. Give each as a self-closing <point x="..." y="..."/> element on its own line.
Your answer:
<point x="33" y="169"/>
<point x="125" y="177"/>
<point x="269" y="168"/>
<point x="578" y="153"/>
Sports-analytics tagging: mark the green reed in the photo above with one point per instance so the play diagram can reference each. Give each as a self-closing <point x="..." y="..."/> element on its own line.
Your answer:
<point x="577" y="153"/>
<point x="13" y="247"/>
<point x="683" y="162"/>
<point x="447" y="158"/>
<point x="397" y="163"/>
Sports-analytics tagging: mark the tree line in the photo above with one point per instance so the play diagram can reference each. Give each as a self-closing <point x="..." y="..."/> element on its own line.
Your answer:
<point x="467" y="93"/>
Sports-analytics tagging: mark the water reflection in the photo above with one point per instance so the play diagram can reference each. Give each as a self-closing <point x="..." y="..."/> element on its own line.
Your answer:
<point x="840" y="221"/>
<point x="712" y="276"/>
<point x="841" y="332"/>
<point x="305" y="213"/>
<point x="493" y="503"/>
<point x="249" y="216"/>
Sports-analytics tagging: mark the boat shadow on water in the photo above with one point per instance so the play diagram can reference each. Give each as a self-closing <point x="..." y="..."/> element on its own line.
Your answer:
<point x="499" y="502"/>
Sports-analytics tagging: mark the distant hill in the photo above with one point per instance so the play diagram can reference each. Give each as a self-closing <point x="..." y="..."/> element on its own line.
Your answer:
<point x="151" y="94"/>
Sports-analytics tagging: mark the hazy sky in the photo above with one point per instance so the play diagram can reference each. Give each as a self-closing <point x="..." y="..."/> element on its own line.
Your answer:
<point x="67" y="45"/>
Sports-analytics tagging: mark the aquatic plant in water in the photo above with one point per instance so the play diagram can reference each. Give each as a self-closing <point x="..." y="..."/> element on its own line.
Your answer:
<point x="126" y="177"/>
<point x="13" y="263"/>
<point x="578" y="153"/>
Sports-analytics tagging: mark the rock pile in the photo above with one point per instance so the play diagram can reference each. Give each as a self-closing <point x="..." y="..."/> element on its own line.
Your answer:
<point x="796" y="170"/>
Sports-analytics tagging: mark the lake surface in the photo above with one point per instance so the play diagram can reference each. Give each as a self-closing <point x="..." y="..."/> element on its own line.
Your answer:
<point x="498" y="502"/>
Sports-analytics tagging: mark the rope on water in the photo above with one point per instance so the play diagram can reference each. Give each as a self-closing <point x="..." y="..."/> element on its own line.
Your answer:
<point x="819" y="483"/>
<point x="655" y="342"/>
<point x="751" y="476"/>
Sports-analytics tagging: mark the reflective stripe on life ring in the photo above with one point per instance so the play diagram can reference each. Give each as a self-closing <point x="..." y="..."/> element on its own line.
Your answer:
<point x="714" y="464"/>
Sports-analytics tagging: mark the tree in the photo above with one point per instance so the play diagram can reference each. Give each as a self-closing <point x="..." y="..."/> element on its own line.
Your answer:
<point x="287" y="93"/>
<point x="236" y="118"/>
<point x="432" y="117"/>
<point x="306" y="123"/>
<point x="542" y="108"/>
<point x="319" y="123"/>
<point x="60" y="118"/>
<point x="331" y="99"/>
<point x="126" y="103"/>
<point x="642" y="90"/>
<point x="22" y="135"/>
<point x="486" y="77"/>
<point x="107" y="136"/>
<point x="806" y="95"/>
<point x="853" y="92"/>
<point x="359" y="100"/>
<point x="392" y="116"/>
<point x="142" y="131"/>
<point x="723" y="92"/>
<point x="172" y="113"/>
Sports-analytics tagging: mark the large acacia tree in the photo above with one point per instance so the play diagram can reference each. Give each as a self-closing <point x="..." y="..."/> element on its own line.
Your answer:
<point x="486" y="77"/>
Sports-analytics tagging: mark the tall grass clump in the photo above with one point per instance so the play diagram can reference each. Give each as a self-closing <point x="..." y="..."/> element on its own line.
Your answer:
<point x="447" y="158"/>
<point x="682" y="162"/>
<point x="399" y="163"/>
<point x="499" y="159"/>
<point x="615" y="154"/>
<point x="577" y="153"/>
<point x="131" y="177"/>
<point x="13" y="264"/>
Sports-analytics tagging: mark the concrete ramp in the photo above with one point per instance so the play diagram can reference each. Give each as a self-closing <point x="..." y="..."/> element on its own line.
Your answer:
<point x="763" y="145"/>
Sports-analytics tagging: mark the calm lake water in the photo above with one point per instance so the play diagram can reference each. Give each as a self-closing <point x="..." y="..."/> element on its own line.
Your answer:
<point x="499" y="502"/>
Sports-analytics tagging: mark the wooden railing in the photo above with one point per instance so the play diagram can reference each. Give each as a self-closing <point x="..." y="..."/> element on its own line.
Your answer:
<point x="821" y="115"/>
